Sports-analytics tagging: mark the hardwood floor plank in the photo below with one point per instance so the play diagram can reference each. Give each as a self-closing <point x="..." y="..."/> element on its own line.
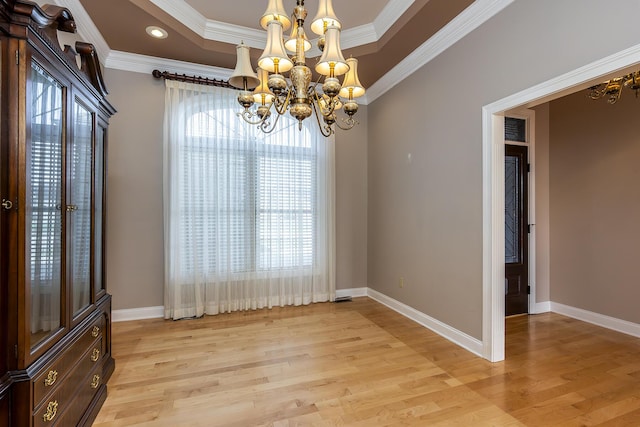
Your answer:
<point x="628" y="419"/>
<point x="361" y="364"/>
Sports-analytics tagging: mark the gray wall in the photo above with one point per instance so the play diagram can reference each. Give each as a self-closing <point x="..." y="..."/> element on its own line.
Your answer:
<point x="135" y="252"/>
<point x="595" y="204"/>
<point x="425" y="216"/>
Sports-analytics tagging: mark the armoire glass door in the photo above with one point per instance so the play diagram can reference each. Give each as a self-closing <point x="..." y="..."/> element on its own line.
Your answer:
<point x="43" y="214"/>
<point x="79" y="207"/>
<point x="98" y="206"/>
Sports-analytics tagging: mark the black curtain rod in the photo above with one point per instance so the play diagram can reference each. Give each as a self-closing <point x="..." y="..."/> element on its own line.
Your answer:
<point x="191" y="79"/>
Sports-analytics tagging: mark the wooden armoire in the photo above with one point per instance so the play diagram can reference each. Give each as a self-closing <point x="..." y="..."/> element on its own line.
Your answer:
<point x="55" y="312"/>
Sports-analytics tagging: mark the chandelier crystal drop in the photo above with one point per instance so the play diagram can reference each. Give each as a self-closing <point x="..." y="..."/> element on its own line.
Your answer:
<point x="612" y="89"/>
<point x="284" y="83"/>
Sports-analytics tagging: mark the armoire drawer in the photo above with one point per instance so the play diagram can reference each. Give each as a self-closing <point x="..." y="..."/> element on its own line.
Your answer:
<point x="81" y="377"/>
<point x="5" y="404"/>
<point x="85" y="393"/>
<point x="89" y="342"/>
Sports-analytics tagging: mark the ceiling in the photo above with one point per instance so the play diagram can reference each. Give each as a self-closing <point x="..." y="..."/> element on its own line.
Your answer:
<point x="380" y="33"/>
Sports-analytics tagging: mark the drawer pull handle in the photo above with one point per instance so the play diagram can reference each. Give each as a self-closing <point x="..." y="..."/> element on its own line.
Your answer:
<point x="95" y="332"/>
<point x="52" y="410"/>
<point x="51" y="378"/>
<point x="95" y="355"/>
<point x="95" y="382"/>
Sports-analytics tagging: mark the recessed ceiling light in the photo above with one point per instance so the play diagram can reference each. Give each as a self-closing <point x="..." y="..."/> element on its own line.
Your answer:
<point x="157" y="32"/>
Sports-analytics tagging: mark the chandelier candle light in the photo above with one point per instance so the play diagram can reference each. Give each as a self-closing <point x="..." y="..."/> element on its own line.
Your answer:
<point x="612" y="89"/>
<point x="297" y="94"/>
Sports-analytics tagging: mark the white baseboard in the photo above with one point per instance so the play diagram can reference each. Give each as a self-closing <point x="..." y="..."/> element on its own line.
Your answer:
<point x="455" y="336"/>
<point x="137" y="313"/>
<point x="608" y="322"/>
<point x="142" y="313"/>
<point x="540" y="307"/>
<point x="442" y="329"/>
<point x="353" y="292"/>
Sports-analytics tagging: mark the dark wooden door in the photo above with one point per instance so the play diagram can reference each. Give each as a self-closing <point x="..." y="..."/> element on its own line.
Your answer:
<point x="516" y="246"/>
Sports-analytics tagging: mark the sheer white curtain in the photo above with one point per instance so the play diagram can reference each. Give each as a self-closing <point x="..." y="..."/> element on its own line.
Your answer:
<point x="248" y="217"/>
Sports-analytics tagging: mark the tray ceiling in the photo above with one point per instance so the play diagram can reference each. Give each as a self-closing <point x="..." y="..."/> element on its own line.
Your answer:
<point x="380" y="33"/>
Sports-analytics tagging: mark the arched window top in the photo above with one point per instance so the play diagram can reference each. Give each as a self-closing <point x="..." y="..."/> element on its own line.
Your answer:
<point x="205" y="121"/>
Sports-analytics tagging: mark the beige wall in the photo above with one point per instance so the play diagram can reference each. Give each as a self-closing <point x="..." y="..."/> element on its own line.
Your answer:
<point x="425" y="215"/>
<point x="351" y="205"/>
<point x="135" y="251"/>
<point x="595" y="207"/>
<point x="134" y="180"/>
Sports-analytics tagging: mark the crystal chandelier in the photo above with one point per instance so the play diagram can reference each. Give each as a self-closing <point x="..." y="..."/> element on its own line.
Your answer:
<point x="612" y="89"/>
<point x="298" y="94"/>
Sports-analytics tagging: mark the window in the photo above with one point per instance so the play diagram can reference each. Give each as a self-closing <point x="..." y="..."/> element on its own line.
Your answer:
<point x="255" y="198"/>
<point x="515" y="129"/>
<point x="248" y="216"/>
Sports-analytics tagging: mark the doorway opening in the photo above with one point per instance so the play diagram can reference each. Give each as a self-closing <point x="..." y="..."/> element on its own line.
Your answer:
<point x="516" y="229"/>
<point x="493" y="122"/>
<point x="520" y="202"/>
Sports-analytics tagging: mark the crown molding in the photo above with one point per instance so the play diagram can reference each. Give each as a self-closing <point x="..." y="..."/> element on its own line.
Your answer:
<point x="233" y="34"/>
<point x="229" y="33"/>
<point x="471" y="18"/>
<point x="256" y="39"/>
<point x="389" y="15"/>
<point x="211" y="29"/>
<point x="184" y="13"/>
<point x="371" y="33"/>
<point x="137" y="63"/>
<point x="87" y="30"/>
<point x="358" y="36"/>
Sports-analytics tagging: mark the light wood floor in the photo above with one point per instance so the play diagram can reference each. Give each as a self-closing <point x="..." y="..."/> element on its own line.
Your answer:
<point x="361" y="364"/>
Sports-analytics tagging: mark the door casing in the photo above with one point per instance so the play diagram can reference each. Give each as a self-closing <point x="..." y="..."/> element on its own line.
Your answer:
<point x="493" y="328"/>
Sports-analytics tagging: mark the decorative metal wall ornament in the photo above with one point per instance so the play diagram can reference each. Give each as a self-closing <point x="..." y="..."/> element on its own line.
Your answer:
<point x="298" y="94"/>
<point x="612" y="89"/>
